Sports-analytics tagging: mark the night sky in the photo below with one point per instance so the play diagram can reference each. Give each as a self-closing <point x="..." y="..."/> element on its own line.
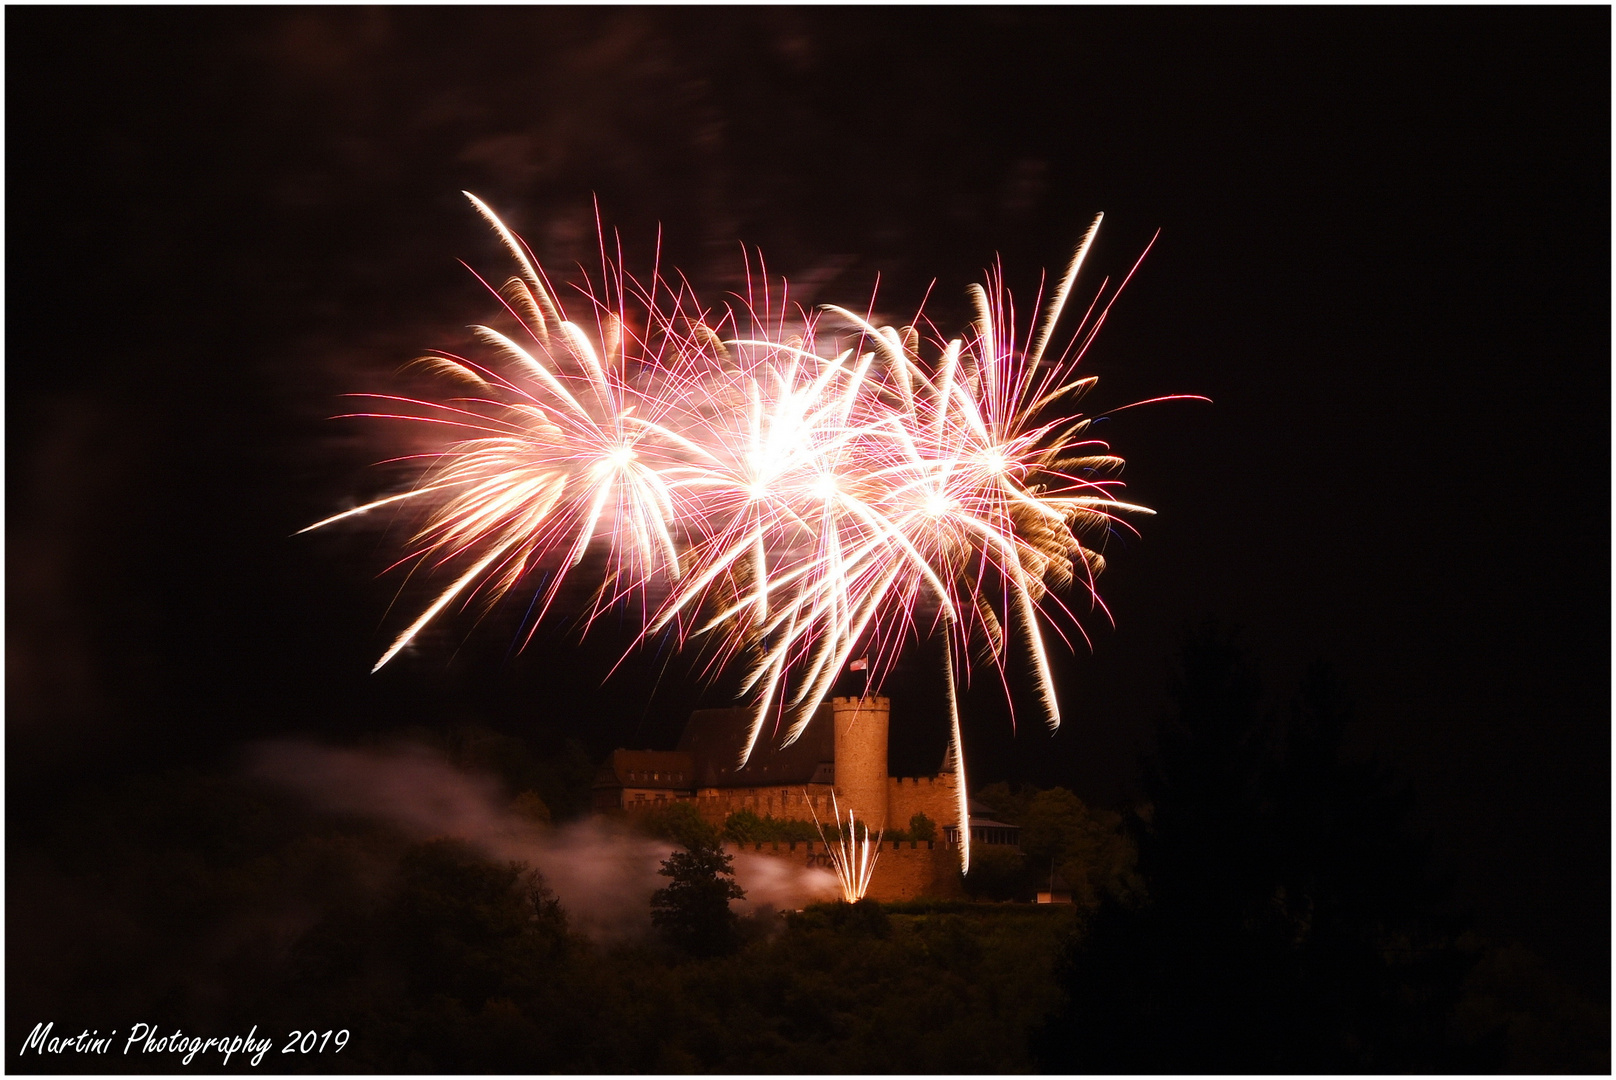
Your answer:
<point x="1384" y="254"/>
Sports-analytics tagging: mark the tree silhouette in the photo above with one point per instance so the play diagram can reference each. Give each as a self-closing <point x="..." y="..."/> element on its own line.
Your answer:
<point x="1061" y="836"/>
<point x="1291" y="921"/>
<point x="1378" y="973"/>
<point x="693" y="911"/>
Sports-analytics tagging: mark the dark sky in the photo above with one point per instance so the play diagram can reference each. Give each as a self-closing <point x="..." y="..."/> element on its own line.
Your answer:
<point x="1384" y="253"/>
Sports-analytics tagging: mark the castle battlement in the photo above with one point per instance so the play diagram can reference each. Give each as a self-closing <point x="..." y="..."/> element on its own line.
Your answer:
<point x="904" y="869"/>
<point x="935" y="796"/>
<point x="875" y="702"/>
<point x="838" y="766"/>
<point x="786" y="804"/>
<point x="860" y="740"/>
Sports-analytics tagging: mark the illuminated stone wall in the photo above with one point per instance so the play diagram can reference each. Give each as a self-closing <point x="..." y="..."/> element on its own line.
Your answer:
<point x="904" y="870"/>
<point x="935" y="796"/>
<point x="861" y="756"/>
<point x="788" y="804"/>
<point x="861" y="783"/>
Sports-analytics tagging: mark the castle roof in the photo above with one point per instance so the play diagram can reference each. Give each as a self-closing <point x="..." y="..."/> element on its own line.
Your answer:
<point x="672" y="769"/>
<point x="714" y="738"/>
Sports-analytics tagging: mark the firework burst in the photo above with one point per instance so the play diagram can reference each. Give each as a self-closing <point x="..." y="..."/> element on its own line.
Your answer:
<point x="791" y="490"/>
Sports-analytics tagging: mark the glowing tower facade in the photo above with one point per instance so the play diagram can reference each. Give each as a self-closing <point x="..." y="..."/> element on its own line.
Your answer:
<point x="861" y="758"/>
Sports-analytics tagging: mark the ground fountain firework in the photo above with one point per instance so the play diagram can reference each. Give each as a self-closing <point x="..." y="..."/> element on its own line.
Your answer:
<point x="797" y="487"/>
<point x="852" y="854"/>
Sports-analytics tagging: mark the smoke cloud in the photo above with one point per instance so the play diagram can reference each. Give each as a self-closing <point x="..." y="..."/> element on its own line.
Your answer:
<point x="602" y="872"/>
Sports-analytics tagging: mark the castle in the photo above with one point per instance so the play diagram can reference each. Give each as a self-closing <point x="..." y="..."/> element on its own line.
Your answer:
<point x="842" y="751"/>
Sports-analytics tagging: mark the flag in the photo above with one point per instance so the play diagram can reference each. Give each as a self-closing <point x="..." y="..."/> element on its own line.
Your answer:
<point x="860" y="664"/>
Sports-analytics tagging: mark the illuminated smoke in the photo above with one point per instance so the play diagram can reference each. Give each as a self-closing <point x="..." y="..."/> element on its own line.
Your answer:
<point x="602" y="872"/>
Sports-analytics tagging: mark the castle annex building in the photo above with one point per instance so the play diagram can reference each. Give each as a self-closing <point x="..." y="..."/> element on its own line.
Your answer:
<point x="843" y="750"/>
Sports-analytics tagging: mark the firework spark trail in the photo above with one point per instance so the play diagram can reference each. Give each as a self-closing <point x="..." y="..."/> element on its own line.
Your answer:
<point x="788" y="492"/>
<point x="853" y="857"/>
<point x="956" y="754"/>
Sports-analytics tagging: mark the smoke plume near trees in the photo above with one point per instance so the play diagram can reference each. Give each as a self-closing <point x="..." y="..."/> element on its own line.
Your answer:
<point x="602" y="871"/>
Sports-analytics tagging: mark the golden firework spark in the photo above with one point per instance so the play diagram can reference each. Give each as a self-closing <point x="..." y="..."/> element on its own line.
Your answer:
<point x="853" y="853"/>
<point x="793" y="491"/>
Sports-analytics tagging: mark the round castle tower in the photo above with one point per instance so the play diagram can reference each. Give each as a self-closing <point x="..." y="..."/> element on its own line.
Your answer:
<point x="861" y="757"/>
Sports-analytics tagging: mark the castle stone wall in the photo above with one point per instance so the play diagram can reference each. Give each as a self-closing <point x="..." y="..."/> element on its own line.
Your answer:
<point x="788" y="804"/>
<point x="906" y="871"/>
<point x="861" y="756"/>
<point x="935" y="796"/>
<point x="903" y="870"/>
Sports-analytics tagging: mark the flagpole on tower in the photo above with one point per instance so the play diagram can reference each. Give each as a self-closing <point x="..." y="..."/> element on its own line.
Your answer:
<point x="862" y="664"/>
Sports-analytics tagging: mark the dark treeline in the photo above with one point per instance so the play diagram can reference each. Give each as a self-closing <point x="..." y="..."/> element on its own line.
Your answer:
<point x="213" y="910"/>
<point x="1290" y="917"/>
<point x="1268" y="907"/>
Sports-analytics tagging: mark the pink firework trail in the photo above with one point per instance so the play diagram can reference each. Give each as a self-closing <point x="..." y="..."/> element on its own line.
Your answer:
<point x="793" y="491"/>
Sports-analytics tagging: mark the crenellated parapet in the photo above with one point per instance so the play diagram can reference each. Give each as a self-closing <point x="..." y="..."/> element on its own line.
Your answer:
<point x="838" y="766"/>
<point x="861" y="756"/>
<point x="904" y="869"/>
<point x="786" y="804"/>
<point x="935" y="796"/>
